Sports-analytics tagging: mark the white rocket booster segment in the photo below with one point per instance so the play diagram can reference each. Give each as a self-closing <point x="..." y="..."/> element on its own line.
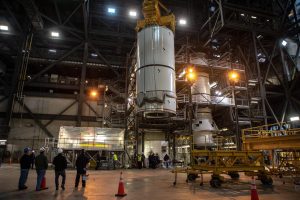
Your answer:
<point x="203" y="125"/>
<point x="155" y="74"/>
<point x="155" y="71"/>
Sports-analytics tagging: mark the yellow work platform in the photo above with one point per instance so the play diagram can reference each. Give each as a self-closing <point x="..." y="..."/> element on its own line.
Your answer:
<point x="261" y="138"/>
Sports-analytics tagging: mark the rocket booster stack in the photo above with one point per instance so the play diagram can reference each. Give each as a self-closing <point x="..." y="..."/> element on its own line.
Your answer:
<point x="155" y="71"/>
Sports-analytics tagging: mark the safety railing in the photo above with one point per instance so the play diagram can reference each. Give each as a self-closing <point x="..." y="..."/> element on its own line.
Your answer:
<point x="266" y="131"/>
<point x="206" y="99"/>
<point x="242" y="103"/>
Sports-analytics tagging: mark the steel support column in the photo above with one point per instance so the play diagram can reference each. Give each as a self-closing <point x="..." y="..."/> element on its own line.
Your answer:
<point x="82" y="84"/>
<point x="13" y="88"/>
<point x="260" y="80"/>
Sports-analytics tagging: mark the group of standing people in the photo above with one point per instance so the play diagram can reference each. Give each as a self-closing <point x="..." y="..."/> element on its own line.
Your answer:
<point x="41" y="165"/>
<point x="154" y="160"/>
<point x="27" y="161"/>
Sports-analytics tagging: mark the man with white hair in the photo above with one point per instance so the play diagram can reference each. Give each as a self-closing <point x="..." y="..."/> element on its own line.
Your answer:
<point x="60" y="163"/>
<point x="41" y="165"/>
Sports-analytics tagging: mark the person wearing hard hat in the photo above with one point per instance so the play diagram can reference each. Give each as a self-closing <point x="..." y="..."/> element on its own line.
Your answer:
<point x="25" y="163"/>
<point x="60" y="163"/>
<point x="41" y="165"/>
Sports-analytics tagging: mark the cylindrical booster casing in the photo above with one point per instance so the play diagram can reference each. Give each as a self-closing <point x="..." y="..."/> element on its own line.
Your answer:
<point x="155" y="72"/>
<point x="201" y="88"/>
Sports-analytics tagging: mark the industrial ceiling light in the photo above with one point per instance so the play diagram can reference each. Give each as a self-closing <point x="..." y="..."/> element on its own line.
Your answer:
<point x="259" y="37"/>
<point x="3" y="27"/>
<point x="213" y="84"/>
<point x="182" y="74"/>
<point x="132" y="13"/>
<point x="54" y="34"/>
<point x="182" y="21"/>
<point x="242" y="14"/>
<point x="218" y="92"/>
<point x="224" y="129"/>
<point x="111" y="10"/>
<point x="93" y="93"/>
<point x="94" y="55"/>
<point x="253" y="17"/>
<point x="284" y="43"/>
<point x="191" y="76"/>
<point x="52" y="50"/>
<point x="294" y="118"/>
<point x="233" y="76"/>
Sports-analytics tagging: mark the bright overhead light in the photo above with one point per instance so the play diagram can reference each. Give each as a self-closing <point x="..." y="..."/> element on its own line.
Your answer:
<point x="191" y="76"/>
<point x="93" y="93"/>
<point x="182" y="74"/>
<point x="52" y="50"/>
<point x="234" y="76"/>
<point x="259" y="37"/>
<point x="218" y="93"/>
<point x="94" y="55"/>
<point x="284" y="43"/>
<point x="132" y="13"/>
<point x="3" y="27"/>
<point x="111" y="10"/>
<point x="294" y="118"/>
<point x="182" y="22"/>
<point x="253" y="17"/>
<point x="54" y="34"/>
<point x="242" y="14"/>
<point x="213" y="84"/>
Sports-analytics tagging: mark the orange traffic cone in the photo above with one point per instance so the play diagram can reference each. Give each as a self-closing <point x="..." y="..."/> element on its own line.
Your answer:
<point x="254" y="195"/>
<point x="121" y="189"/>
<point x="43" y="184"/>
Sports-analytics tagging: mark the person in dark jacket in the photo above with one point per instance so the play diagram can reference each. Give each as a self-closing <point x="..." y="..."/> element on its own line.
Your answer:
<point x="25" y="163"/>
<point x="166" y="159"/>
<point x="143" y="160"/>
<point x="98" y="160"/>
<point x="41" y="165"/>
<point x="151" y="161"/>
<point x="156" y="160"/>
<point x="81" y="166"/>
<point x="60" y="163"/>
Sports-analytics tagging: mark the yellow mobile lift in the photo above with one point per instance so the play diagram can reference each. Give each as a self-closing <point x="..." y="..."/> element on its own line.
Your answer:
<point x="282" y="145"/>
<point x="225" y="162"/>
<point x="251" y="159"/>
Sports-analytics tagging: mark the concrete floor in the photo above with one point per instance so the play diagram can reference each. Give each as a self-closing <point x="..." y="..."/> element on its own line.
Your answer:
<point x="140" y="185"/>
